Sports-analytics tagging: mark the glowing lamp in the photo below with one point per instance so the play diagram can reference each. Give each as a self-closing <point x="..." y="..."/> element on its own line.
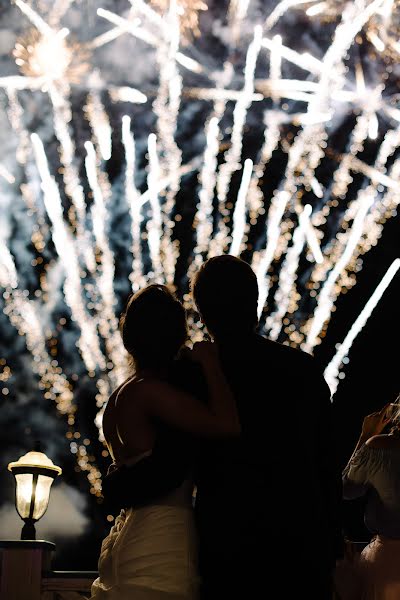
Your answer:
<point x="34" y="473"/>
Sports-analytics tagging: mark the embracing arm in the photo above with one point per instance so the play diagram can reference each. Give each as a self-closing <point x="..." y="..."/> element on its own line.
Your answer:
<point x="160" y="400"/>
<point x="183" y="411"/>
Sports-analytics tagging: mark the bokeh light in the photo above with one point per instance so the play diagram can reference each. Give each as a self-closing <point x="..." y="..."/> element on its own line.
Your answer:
<point x="146" y="139"/>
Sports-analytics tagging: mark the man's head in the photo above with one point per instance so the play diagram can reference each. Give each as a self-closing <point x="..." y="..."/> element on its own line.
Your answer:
<point x="225" y="291"/>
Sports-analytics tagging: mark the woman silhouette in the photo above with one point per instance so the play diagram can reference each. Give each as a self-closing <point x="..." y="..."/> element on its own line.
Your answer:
<point x="150" y="551"/>
<point x="374" y="471"/>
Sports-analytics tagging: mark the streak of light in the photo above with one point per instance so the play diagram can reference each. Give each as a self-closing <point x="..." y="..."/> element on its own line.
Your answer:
<point x="332" y="370"/>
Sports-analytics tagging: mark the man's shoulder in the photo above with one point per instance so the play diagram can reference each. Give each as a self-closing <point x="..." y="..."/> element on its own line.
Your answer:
<point x="287" y="360"/>
<point x="284" y="351"/>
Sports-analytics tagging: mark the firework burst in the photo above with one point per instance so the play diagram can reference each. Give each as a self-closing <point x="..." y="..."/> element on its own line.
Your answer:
<point x="51" y="57"/>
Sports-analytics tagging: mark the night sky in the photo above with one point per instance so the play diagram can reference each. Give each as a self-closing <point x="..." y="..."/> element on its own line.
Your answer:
<point x="28" y="235"/>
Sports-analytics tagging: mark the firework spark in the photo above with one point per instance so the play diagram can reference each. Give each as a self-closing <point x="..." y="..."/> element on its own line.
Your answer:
<point x="188" y="11"/>
<point x="50" y="57"/>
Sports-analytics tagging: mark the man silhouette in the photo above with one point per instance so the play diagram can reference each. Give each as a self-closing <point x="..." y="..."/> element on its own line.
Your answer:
<point x="267" y="505"/>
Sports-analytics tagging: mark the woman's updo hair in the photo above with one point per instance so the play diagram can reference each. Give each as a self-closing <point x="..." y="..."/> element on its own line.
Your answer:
<point x="153" y="326"/>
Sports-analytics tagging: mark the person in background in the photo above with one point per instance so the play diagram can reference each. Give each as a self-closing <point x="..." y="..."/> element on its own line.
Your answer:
<point x="374" y="471"/>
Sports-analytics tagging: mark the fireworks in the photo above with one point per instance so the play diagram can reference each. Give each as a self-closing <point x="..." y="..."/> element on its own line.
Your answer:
<point x="188" y="11"/>
<point x="50" y="57"/>
<point x="384" y="30"/>
<point x="150" y="180"/>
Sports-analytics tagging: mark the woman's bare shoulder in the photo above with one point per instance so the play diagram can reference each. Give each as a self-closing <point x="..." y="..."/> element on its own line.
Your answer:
<point x="383" y="442"/>
<point x="141" y="388"/>
<point x="126" y="390"/>
<point x="119" y="389"/>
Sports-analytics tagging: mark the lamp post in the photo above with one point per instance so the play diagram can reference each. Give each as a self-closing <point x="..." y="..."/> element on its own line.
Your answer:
<point x="34" y="473"/>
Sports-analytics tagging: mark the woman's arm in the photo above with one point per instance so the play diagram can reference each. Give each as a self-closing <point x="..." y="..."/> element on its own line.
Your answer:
<point x="220" y="398"/>
<point x="372" y="425"/>
<point x="158" y="399"/>
<point x="357" y="471"/>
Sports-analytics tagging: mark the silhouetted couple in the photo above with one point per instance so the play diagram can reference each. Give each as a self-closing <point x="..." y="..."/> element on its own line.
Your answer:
<point x="244" y="421"/>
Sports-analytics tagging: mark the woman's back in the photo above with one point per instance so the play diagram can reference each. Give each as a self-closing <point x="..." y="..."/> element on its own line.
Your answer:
<point x="127" y="441"/>
<point x="151" y="550"/>
<point x="158" y="451"/>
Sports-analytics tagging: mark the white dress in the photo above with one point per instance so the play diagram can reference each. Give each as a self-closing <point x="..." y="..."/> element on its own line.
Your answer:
<point x="151" y="553"/>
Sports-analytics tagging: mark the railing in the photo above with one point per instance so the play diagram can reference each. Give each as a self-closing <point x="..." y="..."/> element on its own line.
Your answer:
<point x="57" y="585"/>
<point x="25" y="574"/>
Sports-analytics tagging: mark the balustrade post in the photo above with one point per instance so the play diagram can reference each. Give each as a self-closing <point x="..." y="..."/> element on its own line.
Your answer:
<point x="22" y="563"/>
